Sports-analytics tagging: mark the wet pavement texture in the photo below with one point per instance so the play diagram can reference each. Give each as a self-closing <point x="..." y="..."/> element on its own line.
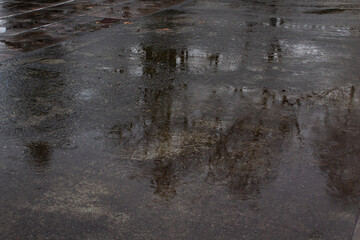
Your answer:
<point x="212" y="119"/>
<point x="30" y="25"/>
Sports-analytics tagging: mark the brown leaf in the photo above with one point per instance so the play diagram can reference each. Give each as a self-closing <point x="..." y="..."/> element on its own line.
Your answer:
<point x="164" y="29"/>
<point x="109" y="20"/>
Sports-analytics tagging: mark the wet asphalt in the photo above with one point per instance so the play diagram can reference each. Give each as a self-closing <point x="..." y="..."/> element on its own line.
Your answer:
<point x="29" y="25"/>
<point x="210" y="119"/>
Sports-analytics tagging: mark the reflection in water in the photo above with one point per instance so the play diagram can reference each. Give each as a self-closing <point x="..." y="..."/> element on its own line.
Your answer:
<point x="238" y="146"/>
<point x="275" y="52"/>
<point x="182" y="130"/>
<point x="192" y="59"/>
<point x="154" y="131"/>
<point x="209" y="150"/>
<point x="165" y="60"/>
<point x="337" y="143"/>
<point x="39" y="108"/>
<point x="276" y="22"/>
<point x="240" y="158"/>
<point x="39" y="155"/>
<point x="227" y="148"/>
<point x="187" y="128"/>
<point x="163" y="179"/>
<point x="275" y="49"/>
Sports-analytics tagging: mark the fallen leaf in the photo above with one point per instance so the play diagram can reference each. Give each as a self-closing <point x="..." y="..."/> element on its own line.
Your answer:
<point x="164" y="29"/>
<point x="128" y="23"/>
<point x="110" y="20"/>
